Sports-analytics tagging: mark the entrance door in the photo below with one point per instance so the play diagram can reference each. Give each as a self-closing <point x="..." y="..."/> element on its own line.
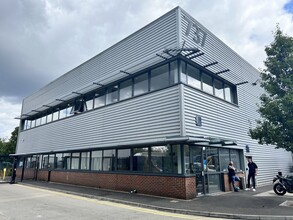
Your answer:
<point x="196" y="155"/>
<point x="205" y="162"/>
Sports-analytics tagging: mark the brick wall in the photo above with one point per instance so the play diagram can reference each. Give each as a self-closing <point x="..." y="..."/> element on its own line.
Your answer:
<point x="175" y="187"/>
<point x="29" y="173"/>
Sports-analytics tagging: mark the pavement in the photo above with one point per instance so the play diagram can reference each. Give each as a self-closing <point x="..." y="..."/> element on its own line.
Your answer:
<point x="261" y="204"/>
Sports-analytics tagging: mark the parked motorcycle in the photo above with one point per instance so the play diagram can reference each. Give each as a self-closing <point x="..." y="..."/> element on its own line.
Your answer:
<point x="283" y="184"/>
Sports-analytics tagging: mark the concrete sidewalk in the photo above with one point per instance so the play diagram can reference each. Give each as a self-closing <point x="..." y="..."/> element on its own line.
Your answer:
<point x="262" y="204"/>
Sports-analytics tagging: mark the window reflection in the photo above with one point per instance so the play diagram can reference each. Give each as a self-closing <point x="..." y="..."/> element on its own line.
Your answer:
<point x="161" y="159"/>
<point x="75" y="161"/>
<point x="141" y="159"/>
<point x="219" y="89"/>
<point x="160" y="77"/>
<point x="123" y="159"/>
<point x="141" y="84"/>
<point x="174" y="72"/>
<point x="193" y="76"/>
<point x="207" y="83"/>
<point x="108" y="160"/>
<point x="96" y="163"/>
<point x="228" y="95"/>
<point x="85" y="161"/>
<point x="112" y="95"/>
<point x="99" y="99"/>
<point x="125" y="89"/>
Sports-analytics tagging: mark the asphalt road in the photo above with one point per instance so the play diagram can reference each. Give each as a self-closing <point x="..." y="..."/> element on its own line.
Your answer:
<point x="24" y="202"/>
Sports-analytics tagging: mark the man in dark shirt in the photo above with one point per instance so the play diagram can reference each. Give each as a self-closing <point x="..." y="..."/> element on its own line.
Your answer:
<point x="252" y="172"/>
<point x="232" y="176"/>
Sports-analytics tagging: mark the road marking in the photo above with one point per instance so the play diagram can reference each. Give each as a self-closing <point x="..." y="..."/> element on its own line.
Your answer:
<point x="134" y="208"/>
<point x="272" y="193"/>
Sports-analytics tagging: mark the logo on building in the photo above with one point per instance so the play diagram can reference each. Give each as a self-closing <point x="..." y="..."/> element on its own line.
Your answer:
<point x="198" y="35"/>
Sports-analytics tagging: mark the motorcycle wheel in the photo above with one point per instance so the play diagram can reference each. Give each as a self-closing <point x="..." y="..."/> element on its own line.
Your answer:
<point x="279" y="189"/>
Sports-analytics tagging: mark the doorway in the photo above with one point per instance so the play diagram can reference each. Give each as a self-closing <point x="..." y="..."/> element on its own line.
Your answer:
<point x="205" y="166"/>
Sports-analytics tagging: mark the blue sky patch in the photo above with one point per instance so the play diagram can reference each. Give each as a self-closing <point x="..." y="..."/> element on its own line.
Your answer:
<point x="289" y="7"/>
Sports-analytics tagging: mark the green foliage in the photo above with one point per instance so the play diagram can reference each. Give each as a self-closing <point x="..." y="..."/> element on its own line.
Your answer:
<point x="276" y="110"/>
<point x="8" y="146"/>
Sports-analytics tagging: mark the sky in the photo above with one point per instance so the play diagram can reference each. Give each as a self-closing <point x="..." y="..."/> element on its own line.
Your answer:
<point x="41" y="40"/>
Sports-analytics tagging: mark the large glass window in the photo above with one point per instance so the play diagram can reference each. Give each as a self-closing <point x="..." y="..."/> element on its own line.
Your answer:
<point x="49" y="117"/>
<point x="85" y="161"/>
<point x="224" y="159"/>
<point x="177" y="168"/>
<point x="51" y="164"/>
<point x="44" y="120"/>
<point x="59" y="161"/>
<point x="219" y="89"/>
<point x="56" y="114"/>
<point x="66" y="161"/>
<point x="112" y="94"/>
<point x="212" y="159"/>
<point x="207" y="83"/>
<point x="123" y="159"/>
<point x="45" y="161"/>
<point x="38" y="122"/>
<point x="140" y="159"/>
<point x="235" y="157"/>
<point x="125" y="89"/>
<point x="75" y="161"/>
<point x="183" y="74"/>
<point x="89" y="103"/>
<point x="161" y="159"/>
<point x="141" y="84"/>
<point x="63" y="113"/>
<point x="99" y="98"/>
<point x="96" y="163"/>
<point x="109" y="160"/>
<point x="160" y="77"/>
<point x="33" y="124"/>
<point x="69" y="110"/>
<point x="174" y="72"/>
<point x="193" y="76"/>
<point x="228" y="95"/>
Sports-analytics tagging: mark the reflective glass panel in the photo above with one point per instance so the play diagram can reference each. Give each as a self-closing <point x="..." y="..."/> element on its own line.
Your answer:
<point x="38" y="122"/>
<point x="49" y="117"/>
<point x="59" y="161"/>
<point x="55" y="115"/>
<point x="212" y="159"/>
<point x="51" y="164"/>
<point x="140" y="159"/>
<point x="66" y="161"/>
<point x="193" y="76"/>
<point x="125" y="89"/>
<point x="63" y="113"/>
<point x="33" y="124"/>
<point x="141" y="84"/>
<point x="85" y="161"/>
<point x="89" y="104"/>
<point x="99" y="99"/>
<point x="108" y="160"/>
<point x="43" y="120"/>
<point x="160" y="77"/>
<point x="112" y="95"/>
<point x="161" y="159"/>
<point x="177" y="168"/>
<point x="97" y="157"/>
<point x="173" y="72"/>
<point x="224" y="159"/>
<point x="75" y="161"/>
<point x="235" y="157"/>
<point x="228" y="96"/>
<point x="219" y="89"/>
<point x="123" y="159"/>
<point x="207" y="83"/>
<point x="183" y="72"/>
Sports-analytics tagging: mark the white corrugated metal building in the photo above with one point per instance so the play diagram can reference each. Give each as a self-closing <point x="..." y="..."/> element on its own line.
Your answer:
<point x="169" y="103"/>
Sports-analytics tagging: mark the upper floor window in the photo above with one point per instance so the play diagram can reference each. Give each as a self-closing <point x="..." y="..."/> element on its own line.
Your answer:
<point x="160" y="77"/>
<point x="207" y="83"/>
<point x="193" y="76"/>
<point x="99" y="100"/>
<point x="141" y="84"/>
<point x="125" y="89"/>
<point x="112" y="94"/>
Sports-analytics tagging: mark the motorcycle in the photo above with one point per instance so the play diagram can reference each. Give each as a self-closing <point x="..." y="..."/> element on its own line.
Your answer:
<point x="283" y="184"/>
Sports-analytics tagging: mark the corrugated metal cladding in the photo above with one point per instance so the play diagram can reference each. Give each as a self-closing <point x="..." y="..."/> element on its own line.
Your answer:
<point x="225" y="120"/>
<point x="106" y="66"/>
<point x="150" y="117"/>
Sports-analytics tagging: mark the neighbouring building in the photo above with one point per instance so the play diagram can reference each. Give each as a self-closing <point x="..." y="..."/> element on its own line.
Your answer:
<point x="163" y="111"/>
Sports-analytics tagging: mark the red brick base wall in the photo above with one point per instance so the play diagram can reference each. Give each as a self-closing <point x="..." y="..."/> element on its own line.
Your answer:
<point x="175" y="187"/>
<point x="29" y="173"/>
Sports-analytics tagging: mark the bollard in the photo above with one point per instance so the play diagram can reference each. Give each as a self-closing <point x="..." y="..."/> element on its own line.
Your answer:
<point x="4" y="173"/>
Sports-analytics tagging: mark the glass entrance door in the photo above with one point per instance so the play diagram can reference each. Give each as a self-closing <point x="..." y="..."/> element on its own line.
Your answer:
<point x="196" y="155"/>
<point x="205" y="165"/>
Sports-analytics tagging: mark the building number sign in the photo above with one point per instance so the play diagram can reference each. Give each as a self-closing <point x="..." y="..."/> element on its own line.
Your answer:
<point x="198" y="35"/>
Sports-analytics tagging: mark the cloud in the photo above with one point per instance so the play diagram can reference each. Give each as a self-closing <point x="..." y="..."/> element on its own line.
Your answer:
<point x="8" y="111"/>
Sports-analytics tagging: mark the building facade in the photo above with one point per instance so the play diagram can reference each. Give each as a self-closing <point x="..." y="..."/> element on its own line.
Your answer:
<point x="163" y="111"/>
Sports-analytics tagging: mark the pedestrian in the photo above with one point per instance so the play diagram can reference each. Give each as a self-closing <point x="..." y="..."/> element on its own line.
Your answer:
<point x="232" y="176"/>
<point x="252" y="172"/>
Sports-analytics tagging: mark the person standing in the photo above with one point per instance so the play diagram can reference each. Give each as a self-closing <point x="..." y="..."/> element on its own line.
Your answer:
<point x="232" y="176"/>
<point x="252" y="172"/>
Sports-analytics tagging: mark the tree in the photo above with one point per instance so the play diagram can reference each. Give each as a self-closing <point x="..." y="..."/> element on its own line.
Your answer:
<point x="276" y="109"/>
<point x="8" y="147"/>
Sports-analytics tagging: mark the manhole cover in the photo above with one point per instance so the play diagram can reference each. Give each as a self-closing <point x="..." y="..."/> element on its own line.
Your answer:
<point x="287" y="203"/>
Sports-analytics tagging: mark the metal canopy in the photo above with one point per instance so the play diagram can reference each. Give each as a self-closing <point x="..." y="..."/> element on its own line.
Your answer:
<point x="204" y="60"/>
